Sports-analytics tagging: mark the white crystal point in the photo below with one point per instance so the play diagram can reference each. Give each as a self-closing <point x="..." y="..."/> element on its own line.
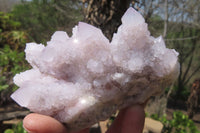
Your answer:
<point x="84" y="31"/>
<point x="88" y="31"/>
<point x="59" y="36"/>
<point x="82" y="79"/>
<point x="23" y="96"/>
<point x="32" y="51"/>
<point x="132" y="17"/>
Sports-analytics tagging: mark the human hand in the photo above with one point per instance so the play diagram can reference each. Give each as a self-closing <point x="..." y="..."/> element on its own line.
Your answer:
<point x="129" y="120"/>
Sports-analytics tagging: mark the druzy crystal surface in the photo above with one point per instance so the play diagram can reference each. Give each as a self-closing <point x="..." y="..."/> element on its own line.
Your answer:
<point x="82" y="79"/>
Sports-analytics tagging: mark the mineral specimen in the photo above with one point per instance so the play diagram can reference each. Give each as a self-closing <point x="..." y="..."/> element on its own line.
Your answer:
<point x="82" y="79"/>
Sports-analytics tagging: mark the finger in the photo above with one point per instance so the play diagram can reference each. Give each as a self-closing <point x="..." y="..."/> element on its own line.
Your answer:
<point x="44" y="124"/>
<point x="83" y="131"/>
<point x="36" y="123"/>
<point x="129" y="120"/>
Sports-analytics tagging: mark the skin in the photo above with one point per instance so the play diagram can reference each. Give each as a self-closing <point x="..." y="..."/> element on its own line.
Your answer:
<point x="129" y="120"/>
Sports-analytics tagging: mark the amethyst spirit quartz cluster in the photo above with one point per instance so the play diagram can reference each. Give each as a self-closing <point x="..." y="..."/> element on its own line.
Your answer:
<point x="83" y="79"/>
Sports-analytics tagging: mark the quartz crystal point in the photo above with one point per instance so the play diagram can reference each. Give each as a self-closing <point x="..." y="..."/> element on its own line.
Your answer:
<point x="82" y="79"/>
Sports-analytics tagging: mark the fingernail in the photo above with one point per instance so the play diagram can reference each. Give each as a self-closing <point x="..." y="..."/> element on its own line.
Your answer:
<point x="28" y="130"/>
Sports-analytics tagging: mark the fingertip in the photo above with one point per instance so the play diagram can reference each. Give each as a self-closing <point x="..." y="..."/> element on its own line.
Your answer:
<point x="136" y="109"/>
<point x="29" y="123"/>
